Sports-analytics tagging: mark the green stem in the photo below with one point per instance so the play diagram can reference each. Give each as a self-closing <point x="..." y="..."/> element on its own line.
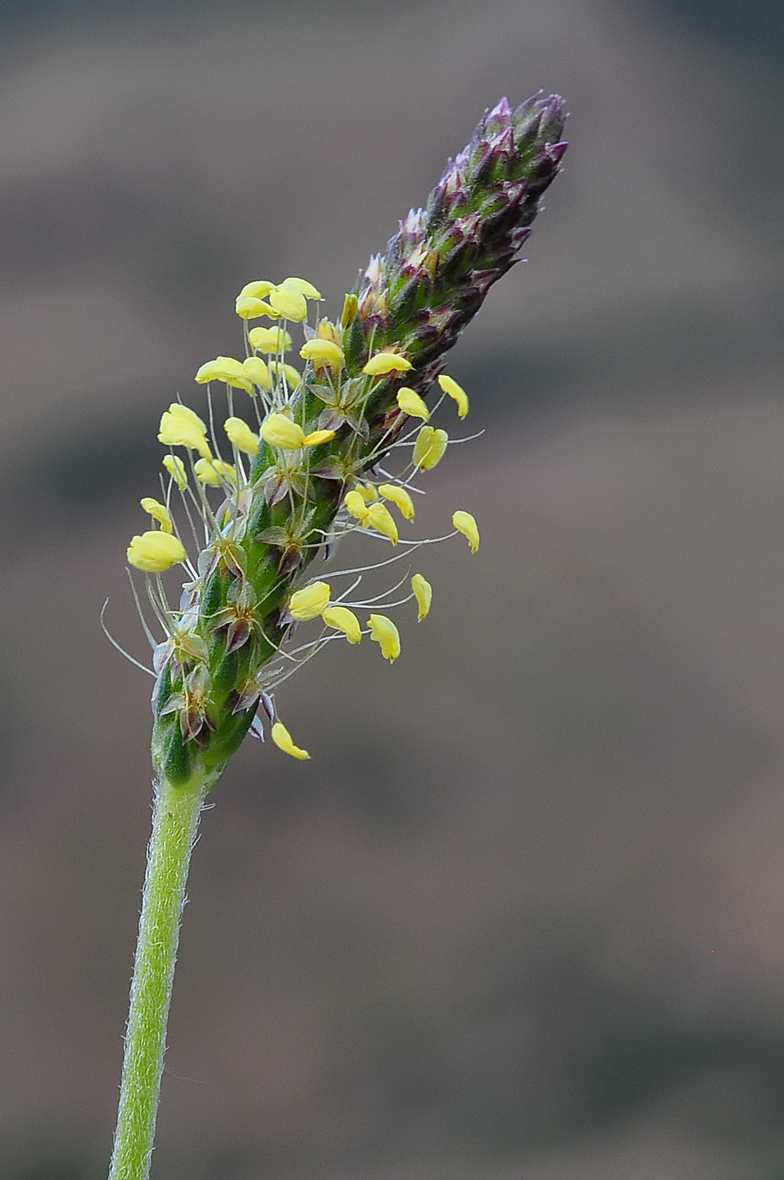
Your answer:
<point x="175" y="820"/>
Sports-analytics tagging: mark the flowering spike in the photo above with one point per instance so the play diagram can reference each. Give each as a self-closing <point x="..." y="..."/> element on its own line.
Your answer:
<point x="315" y="469"/>
<point x="343" y="619"/>
<point x="386" y="634"/>
<point x="423" y="593"/>
<point x="465" y="524"/>
<point x="155" y="552"/>
<point x="283" y="740"/>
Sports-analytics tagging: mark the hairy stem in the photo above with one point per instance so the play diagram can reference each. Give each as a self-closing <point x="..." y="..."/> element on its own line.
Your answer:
<point x="175" y="820"/>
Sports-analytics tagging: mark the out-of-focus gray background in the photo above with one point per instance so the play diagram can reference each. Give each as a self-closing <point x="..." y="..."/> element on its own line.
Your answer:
<point x="522" y="915"/>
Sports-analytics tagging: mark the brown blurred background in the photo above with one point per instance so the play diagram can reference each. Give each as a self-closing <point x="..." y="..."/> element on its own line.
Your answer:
<point x="522" y="915"/>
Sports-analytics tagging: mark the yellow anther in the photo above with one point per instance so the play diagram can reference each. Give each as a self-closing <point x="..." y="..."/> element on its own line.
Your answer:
<point x="207" y="372"/>
<point x="155" y="552"/>
<point x="411" y="403"/>
<point x="225" y="368"/>
<point x="386" y="362"/>
<point x="429" y="447"/>
<point x="385" y="633"/>
<point x="323" y="353"/>
<point x="465" y="524"/>
<point x="267" y="309"/>
<point x="304" y="287"/>
<point x="280" y="431"/>
<point x="379" y="517"/>
<point x="289" y="302"/>
<point x="317" y="437"/>
<point x="450" y="387"/>
<point x="180" y="427"/>
<point x="257" y="371"/>
<point x="350" y="309"/>
<point x="248" y="308"/>
<point x="292" y="375"/>
<point x="355" y="503"/>
<point x="399" y="496"/>
<point x="269" y="340"/>
<point x="158" y="512"/>
<point x="367" y="491"/>
<point x="259" y="289"/>
<point x="282" y="739"/>
<point x="309" y="602"/>
<point x="214" y="472"/>
<point x="423" y="593"/>
<point x="326" y="330"/>
<point x="241" y="435"/>
<point x="176" y="469"/>
<point x="343" y="619"/>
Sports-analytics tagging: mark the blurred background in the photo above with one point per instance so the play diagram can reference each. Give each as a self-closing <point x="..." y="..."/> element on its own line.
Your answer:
<point x="522" y="915"/>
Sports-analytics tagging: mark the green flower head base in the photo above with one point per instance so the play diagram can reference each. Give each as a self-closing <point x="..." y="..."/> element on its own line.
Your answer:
<point x="335" y="446"/>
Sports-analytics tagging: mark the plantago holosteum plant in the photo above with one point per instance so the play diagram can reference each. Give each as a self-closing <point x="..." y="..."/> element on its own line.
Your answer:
<point x="333" y="447"/>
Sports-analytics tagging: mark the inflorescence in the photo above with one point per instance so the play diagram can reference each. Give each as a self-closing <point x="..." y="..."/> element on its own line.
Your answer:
<point x="314" y="464"/>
